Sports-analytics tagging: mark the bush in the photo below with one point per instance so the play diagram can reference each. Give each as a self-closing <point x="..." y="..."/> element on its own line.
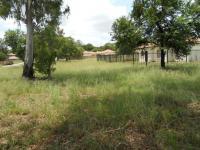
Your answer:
<point x="45" y="50"/>
<point x="3" y="56"/>
<point x="45" y="60"/>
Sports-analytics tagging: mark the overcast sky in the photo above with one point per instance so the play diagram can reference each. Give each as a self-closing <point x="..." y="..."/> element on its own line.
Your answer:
<point x="90" y="20"/>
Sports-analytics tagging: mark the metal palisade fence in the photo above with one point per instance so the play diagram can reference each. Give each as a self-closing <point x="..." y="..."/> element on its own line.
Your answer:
<point x="148" y="57"/>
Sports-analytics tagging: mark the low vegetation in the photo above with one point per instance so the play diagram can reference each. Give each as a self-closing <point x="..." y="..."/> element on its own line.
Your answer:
<point x="98" y="105"/>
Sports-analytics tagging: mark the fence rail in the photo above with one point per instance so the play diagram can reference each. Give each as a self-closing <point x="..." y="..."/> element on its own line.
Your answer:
<point x="115" y="58"/>
<point x="150" y="57"/>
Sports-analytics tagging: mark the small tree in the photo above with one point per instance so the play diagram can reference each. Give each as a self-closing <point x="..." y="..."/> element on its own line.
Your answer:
<point x="78" y="52"/>
<point x="111" y="46"/>
<point x="3" y="56"/>
<point x="88" y="47"/>
<point x="126" y="35"/>
<point x="45" y="50"/>
<point x="68" y="48"/>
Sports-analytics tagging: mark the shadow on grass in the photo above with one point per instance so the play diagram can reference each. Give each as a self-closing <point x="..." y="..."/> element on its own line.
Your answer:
<point x="154" y="118"/>
<point x="157" y="119"/>
<point x="101" y="123"/>
<point x="183" y="68"/>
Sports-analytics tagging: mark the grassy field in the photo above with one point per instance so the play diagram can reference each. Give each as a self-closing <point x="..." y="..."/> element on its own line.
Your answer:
<point x="93" y="105"/>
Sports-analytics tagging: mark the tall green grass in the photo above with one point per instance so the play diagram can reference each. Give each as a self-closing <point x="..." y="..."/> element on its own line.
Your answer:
<point x="98" y="105"/>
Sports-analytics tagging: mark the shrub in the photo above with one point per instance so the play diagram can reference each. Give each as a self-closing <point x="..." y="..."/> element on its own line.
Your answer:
<point x="3" y="56"/>
<point x="45" y="50"/>
<point x="45" y="60"/>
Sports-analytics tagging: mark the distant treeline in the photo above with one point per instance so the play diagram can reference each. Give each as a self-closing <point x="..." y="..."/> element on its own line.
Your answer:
<point x="67" y="48"/>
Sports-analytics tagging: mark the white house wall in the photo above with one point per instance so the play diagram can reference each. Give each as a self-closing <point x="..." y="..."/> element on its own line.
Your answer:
<point x="195" y="53"/>
<point x="154" y="57"/>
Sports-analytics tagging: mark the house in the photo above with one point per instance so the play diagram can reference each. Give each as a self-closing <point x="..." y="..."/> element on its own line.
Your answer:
<point x="154" y="54"/>
<point x="106" y="52"/>
<point x="12" y="56"/>
<point x="195" y="52"/>
<point x="88" y="54"/>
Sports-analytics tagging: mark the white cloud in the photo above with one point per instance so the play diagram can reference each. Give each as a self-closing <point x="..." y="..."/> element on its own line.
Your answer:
<point x="9" y="24"/>
<point x="89" y="21"/>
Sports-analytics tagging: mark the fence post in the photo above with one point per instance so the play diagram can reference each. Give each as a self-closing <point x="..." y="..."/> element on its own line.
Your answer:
<point x="186" y="58"/>
<point x="146" y="57"/>
<point x="109" y="56"/>
<point x="167" y="56"/>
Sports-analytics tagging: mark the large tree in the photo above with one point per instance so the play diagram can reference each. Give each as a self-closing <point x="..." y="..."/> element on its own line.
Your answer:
<point x="35" y="14"/>
<point x="167" y="23"/>
<point x="126" y="35"/>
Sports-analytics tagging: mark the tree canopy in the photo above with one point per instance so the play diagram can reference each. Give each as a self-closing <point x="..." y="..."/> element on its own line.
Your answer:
<point x="16" y="40"/>
<point x="35" y="14"/>
<point x="168" y="24"/>
<point x="3" y="50"/>
<point x="43" y="12"/>
<point x="126" y="35"/>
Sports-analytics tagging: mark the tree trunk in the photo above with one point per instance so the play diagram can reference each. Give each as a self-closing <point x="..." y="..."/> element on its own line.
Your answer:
<point x="28" y="71"/>
<point x="162" y="58"/>
<point x="167" y="56"/>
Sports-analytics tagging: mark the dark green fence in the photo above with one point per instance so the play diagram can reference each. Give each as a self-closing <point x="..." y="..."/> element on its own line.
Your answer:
<point x="115" y="58"/>
<point x="146" y="57"/>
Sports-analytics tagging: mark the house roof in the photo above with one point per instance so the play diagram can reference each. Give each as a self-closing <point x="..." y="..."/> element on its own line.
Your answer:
<point x="89" y="54"/>
<point x="149" y="45"/>
<point x="107" y="52"/>
<point x="13" y="58"/>
<point x="198" y="41"/>
<point x="11" y="54"/>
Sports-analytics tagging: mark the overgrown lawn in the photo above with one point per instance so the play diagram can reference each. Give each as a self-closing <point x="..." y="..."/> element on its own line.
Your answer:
<point x="98" y="105"/>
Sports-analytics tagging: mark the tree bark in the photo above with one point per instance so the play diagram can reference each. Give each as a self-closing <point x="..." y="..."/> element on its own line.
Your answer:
<point x="162" y="58"/>
<point x="28" y="71"/>
<point x="162" y="54"/>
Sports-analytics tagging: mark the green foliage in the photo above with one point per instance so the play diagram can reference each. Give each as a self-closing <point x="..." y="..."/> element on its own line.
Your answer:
<point x="126" y="35"/>
<point x="45" y="50"/>
<point x="111" y="46"/>
<point x="43" y="11"/>
<point x="78" y="52"/>
<point x="168" y="24"/>
<point x="3" y="56"/>
<point x="194" y="12"/>
<point x="15" y="39"/>
<point x="3" y="47"/>
<point x="88" y="47"/>
<point x="69" y="48"/>
<point x="36" y="14"/>
<point x="3" y="50"/>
